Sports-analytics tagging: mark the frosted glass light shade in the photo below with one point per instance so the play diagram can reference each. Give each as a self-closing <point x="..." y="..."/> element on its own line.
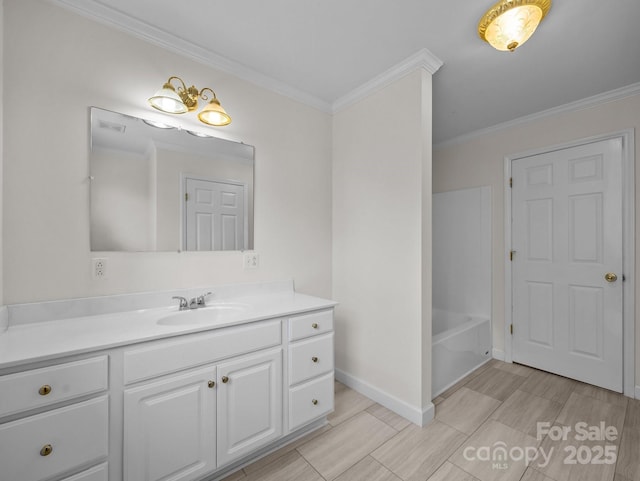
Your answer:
<point x="167" y="100"/>
<point x="510" y="23"/>
<point x="214" y="114"/>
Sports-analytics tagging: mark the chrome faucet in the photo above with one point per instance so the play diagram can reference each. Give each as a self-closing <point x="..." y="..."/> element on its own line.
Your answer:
<point x="199" y="301"/>
<point x="184" y="304"/>
<point x="194" y="303"/>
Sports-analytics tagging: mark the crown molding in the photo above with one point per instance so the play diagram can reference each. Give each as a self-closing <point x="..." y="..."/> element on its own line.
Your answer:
<point x="423" y="59"/>
<point x="169" y="41"/>
<point x="586" y="103"/>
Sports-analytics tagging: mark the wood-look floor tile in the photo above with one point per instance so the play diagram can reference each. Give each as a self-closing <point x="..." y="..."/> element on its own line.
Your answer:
<point x="513" y="368"/>
<point x="632" y="419"/>
<point x="490" y="436"/>
<point x="347" y="404"/>
<point x="523" y="410"/>
<point x="394" y="420"/>
<point x="628" y="455"/>
<point x="620" y="477"/>
<point x="564" y="464"/>
<point x="549" y="386"/>
<point x="601" y="394"/>
<point x="497" y="383"/>
<point x="368" y="470"/>
<point x="466" y="410"/>
<point x="532" y="475"/>
<point x="415" y="453"/>
<point x="338" y="449"/>
<point x="268" y="459"/>
<point x="238" y="475"/>
<point x="451" y="472"/>
<point x="592" y="411"/>
<point x="437" y="400"/>
<point x="290" y="467"/>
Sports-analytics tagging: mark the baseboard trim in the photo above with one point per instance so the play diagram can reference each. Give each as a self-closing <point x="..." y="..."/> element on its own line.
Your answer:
<point x="420" y="417"/>
<point x="637" y="392"/>
<point x="498" y="354"/>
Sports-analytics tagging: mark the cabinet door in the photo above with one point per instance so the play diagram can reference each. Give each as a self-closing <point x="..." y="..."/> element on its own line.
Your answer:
<point x="249" y="404"/>
<point x="169" y="428"/>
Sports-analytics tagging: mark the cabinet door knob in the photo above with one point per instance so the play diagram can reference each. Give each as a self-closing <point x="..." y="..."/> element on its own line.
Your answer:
<point x="314" y="359"/>
<point x="225" y="379"/>
<point x="46" y="450"/>
<point x="314" y="325"/>
<point x="44" y="390"/>
<point x="314" y="402"/>
<point x="211" y="384"/>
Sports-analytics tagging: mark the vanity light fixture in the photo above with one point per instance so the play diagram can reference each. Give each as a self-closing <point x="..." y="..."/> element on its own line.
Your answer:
<point x="510" y="23"/>
<point x="158" y="125"/>
<point x="179" y="100"/>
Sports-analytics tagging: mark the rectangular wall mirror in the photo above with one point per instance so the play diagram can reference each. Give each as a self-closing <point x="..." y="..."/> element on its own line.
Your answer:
<point x="167" y="189"/>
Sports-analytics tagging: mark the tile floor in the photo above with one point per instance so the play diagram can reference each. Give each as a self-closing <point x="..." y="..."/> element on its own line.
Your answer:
<point x="499" y="405"/>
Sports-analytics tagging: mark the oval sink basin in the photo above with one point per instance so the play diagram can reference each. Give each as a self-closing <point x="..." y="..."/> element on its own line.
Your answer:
<point x="204" y="315"/>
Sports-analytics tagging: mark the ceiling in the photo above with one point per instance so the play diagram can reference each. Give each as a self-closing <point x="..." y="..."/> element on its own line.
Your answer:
<point x="320" y="51"/>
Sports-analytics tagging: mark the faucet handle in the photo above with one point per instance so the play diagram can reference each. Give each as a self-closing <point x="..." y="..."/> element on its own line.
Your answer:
<point x="184" y="304"/>
<point x="201" y="299"/>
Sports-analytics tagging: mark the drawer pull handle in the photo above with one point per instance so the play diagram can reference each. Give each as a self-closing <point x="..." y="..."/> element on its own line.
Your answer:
<point x="225" y="379"/>
<point x="46" y="450"/>
<point x="314" y="325"/>
<point x="44" y="390"/>
<point x="314" y="359"/>
<point x="314" y="402"/>
<point x="211" y="384"/>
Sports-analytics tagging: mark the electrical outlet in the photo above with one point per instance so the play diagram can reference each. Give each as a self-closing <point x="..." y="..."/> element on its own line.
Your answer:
<point x="251" y="260"/>
<point x="98" y="268"/>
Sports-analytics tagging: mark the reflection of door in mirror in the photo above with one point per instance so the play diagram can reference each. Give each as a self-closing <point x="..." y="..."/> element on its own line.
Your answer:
<point x="215" y="215"/>
<point x="138" y="173"/>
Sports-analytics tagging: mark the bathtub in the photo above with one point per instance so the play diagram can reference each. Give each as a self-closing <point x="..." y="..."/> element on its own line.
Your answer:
<point x="460" y="344"/>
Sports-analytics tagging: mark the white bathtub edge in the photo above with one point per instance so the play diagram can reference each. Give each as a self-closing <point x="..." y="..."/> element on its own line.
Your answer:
<point x="498" y="354"/>
<point x="419" y="417"/>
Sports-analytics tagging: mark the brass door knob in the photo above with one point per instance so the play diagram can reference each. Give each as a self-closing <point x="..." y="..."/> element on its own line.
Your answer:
<point x="225" y="379"/>
<point x="314" y="325"/>
<point x="211" y="384"/>
<point x="46" y="450"/>
<point x="314" y="402"/>
<point x="44" y="390"/>
<point x="610" y="277"/>
<point x="314" y="359"/>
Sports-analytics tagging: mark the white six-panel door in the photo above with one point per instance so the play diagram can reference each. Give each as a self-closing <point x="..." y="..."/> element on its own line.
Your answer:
<point x="215" y="215"/>
<point x="567" y="267"/>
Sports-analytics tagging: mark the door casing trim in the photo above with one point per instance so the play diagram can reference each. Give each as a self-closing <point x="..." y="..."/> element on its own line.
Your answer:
<point x="628" y="247"/>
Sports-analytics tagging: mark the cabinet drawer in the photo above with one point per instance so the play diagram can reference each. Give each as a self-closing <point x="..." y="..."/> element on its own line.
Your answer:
<point x="310" y="324"/>
<point x="165" y="357"/>
<point x="98" y="473"/>
<point x="40" y="387"/>
<point x="77" y="436"/>
<point x="310" y="358"/>
<point x="310" y="401"/>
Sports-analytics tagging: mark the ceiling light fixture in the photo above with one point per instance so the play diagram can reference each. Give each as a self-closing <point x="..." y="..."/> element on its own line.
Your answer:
<point x="510" y="23"/>
<point x="180" y="99"/>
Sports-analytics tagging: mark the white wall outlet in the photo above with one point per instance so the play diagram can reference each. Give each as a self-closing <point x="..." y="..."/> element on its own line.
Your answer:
<point x="98" y="268"/>
<point x="251" y="260"/>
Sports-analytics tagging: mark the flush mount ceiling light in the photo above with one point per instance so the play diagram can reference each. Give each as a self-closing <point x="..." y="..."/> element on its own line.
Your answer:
<point x="180" y="99"/>
<point x="510" y="23"/>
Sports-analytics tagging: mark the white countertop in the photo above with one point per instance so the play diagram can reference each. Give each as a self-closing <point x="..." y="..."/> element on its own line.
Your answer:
<point x="40" y="341"/>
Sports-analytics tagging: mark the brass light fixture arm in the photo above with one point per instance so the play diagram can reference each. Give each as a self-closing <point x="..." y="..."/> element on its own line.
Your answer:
<point x="203" y="96"/>
<point x="189" y="96"/>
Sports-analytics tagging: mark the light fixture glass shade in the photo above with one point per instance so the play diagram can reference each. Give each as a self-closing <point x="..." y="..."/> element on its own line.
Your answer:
<point x="214" y="114"/>
<point x="167" y="100"/>
<point x="510" y="23"/>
